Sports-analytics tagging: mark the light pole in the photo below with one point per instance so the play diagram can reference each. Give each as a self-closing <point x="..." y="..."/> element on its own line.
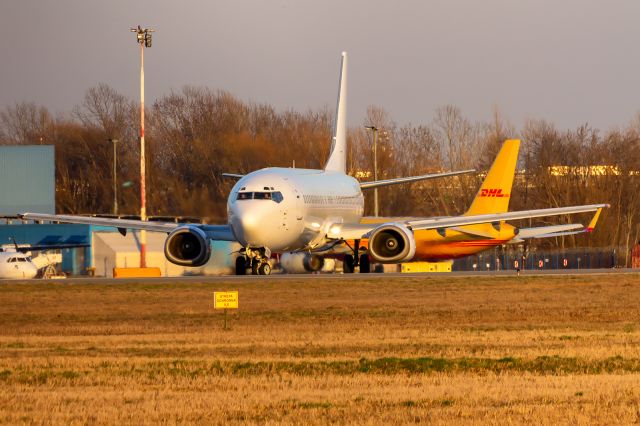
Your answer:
<point x="143" y="37"/>
<point x="115" y="179"/>
<point x="374" y="129"/>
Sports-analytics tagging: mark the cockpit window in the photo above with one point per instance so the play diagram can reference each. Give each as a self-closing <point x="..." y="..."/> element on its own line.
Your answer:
<point x="22" y="259"/>
<point x="263" y="195"/>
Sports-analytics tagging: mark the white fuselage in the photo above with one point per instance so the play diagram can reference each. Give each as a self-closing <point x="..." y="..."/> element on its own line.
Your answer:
<point x="286" y="209"/>
<point x="15" y="265"/>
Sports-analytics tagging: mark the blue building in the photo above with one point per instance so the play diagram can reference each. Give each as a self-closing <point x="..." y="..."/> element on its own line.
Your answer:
<point x="27" y="184"/>
<point x="74" y="261"/>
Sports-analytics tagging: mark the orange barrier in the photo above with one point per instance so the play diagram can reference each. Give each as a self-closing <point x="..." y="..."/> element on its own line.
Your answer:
<point x="136" y="272"/>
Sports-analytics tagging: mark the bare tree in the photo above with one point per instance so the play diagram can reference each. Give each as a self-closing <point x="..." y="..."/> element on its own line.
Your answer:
<point x="25" y="123"/>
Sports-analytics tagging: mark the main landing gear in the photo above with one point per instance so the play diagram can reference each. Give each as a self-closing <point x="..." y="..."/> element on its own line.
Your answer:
<point x="254" y="260"/>
<point x="356" y="259"/>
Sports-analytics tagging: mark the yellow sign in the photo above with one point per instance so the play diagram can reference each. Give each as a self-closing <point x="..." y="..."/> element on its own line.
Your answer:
<point x="226" y="299"/>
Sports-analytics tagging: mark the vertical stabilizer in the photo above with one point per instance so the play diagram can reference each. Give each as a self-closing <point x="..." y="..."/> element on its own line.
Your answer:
<point x="337" y="161"/>
<point x="495" y="192"/>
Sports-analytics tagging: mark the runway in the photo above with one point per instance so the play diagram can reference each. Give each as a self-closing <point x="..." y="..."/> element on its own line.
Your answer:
<point x="338" y="277"/>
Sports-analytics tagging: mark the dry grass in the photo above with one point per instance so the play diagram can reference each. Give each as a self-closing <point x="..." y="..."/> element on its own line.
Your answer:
<point x="435" y="349"/>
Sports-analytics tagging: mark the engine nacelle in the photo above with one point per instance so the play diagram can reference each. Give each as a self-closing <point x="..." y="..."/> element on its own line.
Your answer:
<point x="392" y="243"/>
<point x="300" y="263"/>
<point x="188" y="246"/>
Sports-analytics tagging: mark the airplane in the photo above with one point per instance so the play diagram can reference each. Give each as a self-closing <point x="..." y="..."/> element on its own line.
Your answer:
<point x="16" y="261"/>
<point x="305" y="211"/>
<point x="17" y="265"/>
<point x="446" y="243"/>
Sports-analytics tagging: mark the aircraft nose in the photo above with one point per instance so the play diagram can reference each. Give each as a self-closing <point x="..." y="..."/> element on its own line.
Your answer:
<point x="250" y="223"/>
<point x="31" y="271"/>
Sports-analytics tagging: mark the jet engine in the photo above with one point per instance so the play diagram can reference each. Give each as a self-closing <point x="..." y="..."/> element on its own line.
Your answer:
<point x="188" y="246"/>
<point x="301" y="263"/>
<point x="391" y="243"/>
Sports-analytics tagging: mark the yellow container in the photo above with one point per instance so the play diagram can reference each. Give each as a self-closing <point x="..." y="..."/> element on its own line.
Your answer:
<point x="415" y="267"/>
<point x="136" y="272"/>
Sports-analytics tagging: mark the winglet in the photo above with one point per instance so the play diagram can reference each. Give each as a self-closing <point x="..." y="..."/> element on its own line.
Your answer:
<point x="337" y="161"/>
<point x="592" y="224"/>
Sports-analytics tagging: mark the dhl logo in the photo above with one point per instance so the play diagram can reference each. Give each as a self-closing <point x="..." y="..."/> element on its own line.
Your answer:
<point x="497" y="192"/>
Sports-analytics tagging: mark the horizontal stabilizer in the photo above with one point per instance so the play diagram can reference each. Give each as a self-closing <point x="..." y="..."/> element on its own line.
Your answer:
<point x="396" y="181"/>
<point x="232" y="175"/>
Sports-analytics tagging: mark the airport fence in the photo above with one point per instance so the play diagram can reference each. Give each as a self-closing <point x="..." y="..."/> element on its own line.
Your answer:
<point x="503" y="259"/>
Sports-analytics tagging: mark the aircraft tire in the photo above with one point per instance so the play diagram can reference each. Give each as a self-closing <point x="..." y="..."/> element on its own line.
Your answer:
<point x="365" y="264"/>
<point x="347" y="264"/>
<point x="241" y="265"/>
<point x="264" y="269"/>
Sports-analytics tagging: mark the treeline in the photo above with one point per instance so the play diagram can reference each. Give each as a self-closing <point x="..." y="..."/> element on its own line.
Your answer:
<point x="195" y="135"/>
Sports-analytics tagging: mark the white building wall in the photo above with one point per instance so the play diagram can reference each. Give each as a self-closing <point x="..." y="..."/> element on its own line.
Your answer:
<point x="111" y="249"/>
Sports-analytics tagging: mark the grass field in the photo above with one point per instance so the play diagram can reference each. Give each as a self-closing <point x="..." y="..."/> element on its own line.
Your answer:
<point x="404" y="350"/>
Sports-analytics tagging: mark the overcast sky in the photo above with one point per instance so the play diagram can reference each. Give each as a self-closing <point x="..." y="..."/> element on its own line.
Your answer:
<point x="567" y="61"/>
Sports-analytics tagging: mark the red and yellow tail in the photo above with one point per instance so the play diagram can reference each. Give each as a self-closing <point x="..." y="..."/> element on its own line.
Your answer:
<point x="494" y="194"/>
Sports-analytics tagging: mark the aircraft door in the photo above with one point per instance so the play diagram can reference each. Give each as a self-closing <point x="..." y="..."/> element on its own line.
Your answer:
<point x="299" y="205"/>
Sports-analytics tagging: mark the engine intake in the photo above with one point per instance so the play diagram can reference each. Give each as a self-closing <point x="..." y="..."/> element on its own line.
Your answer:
<point x="391" y="243"/>
<point x="188" y="246"/>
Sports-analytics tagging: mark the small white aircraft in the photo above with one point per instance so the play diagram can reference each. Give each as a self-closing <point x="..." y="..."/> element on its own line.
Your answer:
<point x="14" y="265"/>
<point x="16" y="261"/>
<point x="304" y="211"/>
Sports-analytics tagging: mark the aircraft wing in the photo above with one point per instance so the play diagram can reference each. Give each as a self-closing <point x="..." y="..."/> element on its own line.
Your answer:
<point x="351" y="231"/>
<point x="543" y="231"/>
<point x="448" y="222"/>
<point x="556" y="230"/>
<point x="347" y="231"/>
<point x="396" y="181"/>
<point x="43" y="247"/>
<point x="104" y="221"/>
<point x="215" y="232"/>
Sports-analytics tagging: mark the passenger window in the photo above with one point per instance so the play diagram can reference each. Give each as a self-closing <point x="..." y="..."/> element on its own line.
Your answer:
<point x="21" y="259"/>
<point x="245" y="195"/>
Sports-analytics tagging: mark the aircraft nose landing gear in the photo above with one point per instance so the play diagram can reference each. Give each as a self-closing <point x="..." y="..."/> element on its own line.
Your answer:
<point x="255" y="260"/>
